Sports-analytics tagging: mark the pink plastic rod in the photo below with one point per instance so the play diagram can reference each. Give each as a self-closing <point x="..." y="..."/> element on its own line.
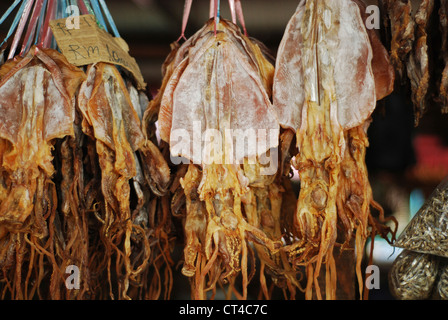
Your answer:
<point x="32" y="26"/>
<point x="239" y="12"/>
<point x="82" y="7"/>
<point x="212" y="9"/>
<point x="232" y="10"/>
<point x="51" y="11"/>
<point x="215" y="13"/>
<point x="187" y="8"/>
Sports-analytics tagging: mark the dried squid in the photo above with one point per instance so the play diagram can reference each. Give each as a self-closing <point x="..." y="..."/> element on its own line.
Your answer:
<point x="38" y="108"/>
<point x="325" y="89"/>
<point x="82" y="183"/>
<point x="418" y="67"/>
<point x="419" y="51"/>
<point x="111" y="113"/>
<point x="217" y="84"/>
<point x="401" y="23"/>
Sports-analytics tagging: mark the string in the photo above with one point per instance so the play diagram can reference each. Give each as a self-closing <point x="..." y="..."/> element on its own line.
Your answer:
<point x="35" y="15"/>
<point x="31" y="27"/>
<point x="98" y="14"/>
<point x="62" y="7"/>
<point x="232" y="10"/>
<point x="82" y="7"/>
<point x="109" y="18"/>
<point x="20" y="28"/>
<point x="40" y="22"/>
<point x="15" y="22"/>
<point x="45" y="41"/>
<point x="88" y="6"/>
<point x="8" y="12"/>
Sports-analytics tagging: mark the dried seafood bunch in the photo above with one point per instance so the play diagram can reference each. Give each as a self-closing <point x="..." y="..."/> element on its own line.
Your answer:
<point x="420" y="271"/>
<point x="420" y="62"/>
<point x="81" y="183"/>
<point x="37" y="94"/>
<point x="124" y="181"/>
<point x="130" y="167"/>
<point x="216" y="85"/>
<point x="330" y="71"/>
<point x="38" y="89"/>
<point x="398" y="19"/>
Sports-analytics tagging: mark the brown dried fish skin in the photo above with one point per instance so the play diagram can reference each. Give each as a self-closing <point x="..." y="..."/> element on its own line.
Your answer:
<point x="444" y="90"/>
<point x="418" y="61"/>
<point x="402" y="29"/>
<point x="443" y="18"/>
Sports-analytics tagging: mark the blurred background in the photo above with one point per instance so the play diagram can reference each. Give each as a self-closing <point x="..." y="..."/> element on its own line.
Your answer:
<point x="405" y="162"/>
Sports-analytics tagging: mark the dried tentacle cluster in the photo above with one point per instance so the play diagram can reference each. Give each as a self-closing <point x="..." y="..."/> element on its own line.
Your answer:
<point x="340" y="69"/>
<point x="101" y="193"/>
<point x="37" y="94"/>
<point x="75" y="190"/>
<point x="321" y="95"/>
<point x="418" y="49"/>
<point x="229" y="202"/>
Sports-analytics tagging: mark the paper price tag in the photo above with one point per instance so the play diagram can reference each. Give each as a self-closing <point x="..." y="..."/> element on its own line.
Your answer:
<point x="90" y="44"/>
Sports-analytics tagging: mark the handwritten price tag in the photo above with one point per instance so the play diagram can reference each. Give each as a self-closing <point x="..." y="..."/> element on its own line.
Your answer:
<point x="89" y="44"/>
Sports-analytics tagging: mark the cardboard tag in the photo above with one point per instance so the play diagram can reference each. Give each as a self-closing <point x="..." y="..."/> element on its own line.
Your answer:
<point x="90" y="44"/>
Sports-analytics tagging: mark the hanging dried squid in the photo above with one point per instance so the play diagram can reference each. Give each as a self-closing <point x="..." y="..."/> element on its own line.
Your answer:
<point x="82" y="186"/>
<point x="127" y="160"/>
<point x="219" y="80"/>
<point x="37" y="101"/>
<point x="325" y="88"/>
<point x="402" y="25"/>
